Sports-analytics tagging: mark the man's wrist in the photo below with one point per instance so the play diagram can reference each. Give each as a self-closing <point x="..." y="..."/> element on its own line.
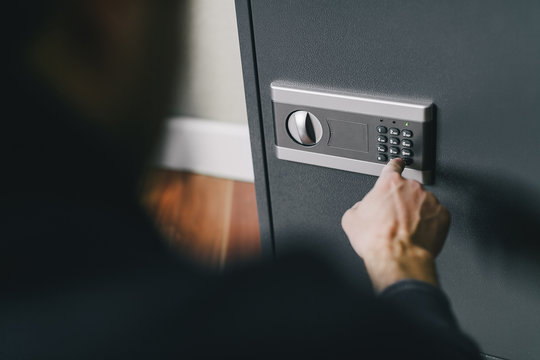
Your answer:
<point x="417" y="264"/>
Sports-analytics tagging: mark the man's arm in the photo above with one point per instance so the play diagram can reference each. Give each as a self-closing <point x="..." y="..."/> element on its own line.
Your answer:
<point x="398" y="229"/>
<point x="299" y="308"/>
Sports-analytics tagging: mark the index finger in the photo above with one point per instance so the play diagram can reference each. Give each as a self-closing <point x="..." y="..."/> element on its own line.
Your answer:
<point x="394" y="166"/>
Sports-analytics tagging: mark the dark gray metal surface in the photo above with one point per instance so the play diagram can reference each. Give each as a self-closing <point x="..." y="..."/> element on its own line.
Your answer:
<point x="479" y="63"/>
<point x="251" y="88"/>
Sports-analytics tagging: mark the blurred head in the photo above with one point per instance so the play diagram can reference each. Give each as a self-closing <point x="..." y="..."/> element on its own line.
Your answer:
<point x="114" y="60"/>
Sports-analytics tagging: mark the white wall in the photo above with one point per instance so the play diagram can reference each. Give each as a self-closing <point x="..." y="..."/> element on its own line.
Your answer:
<point x="212" y="87"/>
<point x="208" y="134"/>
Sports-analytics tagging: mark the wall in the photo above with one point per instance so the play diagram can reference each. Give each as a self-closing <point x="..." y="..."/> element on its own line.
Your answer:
<point x="212" y="85"/>
<point x="207" y="132"/>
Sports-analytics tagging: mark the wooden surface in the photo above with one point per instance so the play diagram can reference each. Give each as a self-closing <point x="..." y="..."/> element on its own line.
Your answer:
<point x="213" y="220"/>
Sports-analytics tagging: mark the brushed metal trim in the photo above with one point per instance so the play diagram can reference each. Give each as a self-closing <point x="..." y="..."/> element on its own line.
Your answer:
<point x="285" y="94"/>
<point x="341" y="163"/>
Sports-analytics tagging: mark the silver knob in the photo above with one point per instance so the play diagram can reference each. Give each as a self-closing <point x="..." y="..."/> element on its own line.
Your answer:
<point x="304" y="128"/>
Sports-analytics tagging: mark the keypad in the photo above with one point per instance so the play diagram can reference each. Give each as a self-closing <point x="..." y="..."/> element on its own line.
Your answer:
<point x="400" y="148"/>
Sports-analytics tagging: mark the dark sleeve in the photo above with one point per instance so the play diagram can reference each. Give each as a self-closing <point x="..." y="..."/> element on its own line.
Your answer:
<point x="300" y="308"/>
<point x="428" y="307"/>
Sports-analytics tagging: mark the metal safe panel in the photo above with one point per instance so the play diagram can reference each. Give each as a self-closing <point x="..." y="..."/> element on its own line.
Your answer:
<point x="479" y="62"/>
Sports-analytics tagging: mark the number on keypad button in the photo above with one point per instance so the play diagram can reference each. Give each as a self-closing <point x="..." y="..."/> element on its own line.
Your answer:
<point x="406" y="143"/>
<point x="407" y="152"/>
<point x="407" y="133"/>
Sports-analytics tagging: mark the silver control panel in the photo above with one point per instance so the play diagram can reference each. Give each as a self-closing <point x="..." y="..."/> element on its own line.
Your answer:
<point x="353" y="132"/>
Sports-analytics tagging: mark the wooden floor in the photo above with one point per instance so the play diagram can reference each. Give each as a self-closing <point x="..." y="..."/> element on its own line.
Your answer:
<point x="213" y="220"/>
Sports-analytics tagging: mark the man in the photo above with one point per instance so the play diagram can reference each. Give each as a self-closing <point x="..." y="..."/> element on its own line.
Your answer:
<point x="84" y="274"/>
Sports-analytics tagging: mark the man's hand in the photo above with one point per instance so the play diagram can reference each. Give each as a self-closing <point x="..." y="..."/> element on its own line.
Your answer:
<point x="398" y="229"/>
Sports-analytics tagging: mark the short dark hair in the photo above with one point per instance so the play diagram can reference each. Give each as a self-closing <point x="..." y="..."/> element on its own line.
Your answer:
<point x="23" y="20"/>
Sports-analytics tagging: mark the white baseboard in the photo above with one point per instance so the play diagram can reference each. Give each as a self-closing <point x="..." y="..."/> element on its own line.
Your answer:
<point x="207" y="147"/>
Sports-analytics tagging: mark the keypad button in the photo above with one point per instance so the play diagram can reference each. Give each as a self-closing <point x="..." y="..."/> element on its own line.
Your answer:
<point x="394" y="150"/>
<point x="406" y="143"/>
<point x="394" y="131"/>
<point x="405" y="133"/>
<point x="394" y="141"/>
<point x="407" y="152"/>
<point x="381" y="129"/>
<point x="381" y="148"/>
<point x="394" y="156"/>
<point x="407" y="161"/>
<point x="382" y="139"/>
<point x="382" y="157"/>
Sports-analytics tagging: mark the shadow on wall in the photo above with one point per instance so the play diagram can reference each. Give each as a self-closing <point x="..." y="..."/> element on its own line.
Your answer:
<point x="502" y="214"/>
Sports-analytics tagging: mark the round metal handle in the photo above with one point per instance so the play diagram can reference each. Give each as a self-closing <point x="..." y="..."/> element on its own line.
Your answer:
<point x="304" y="128"/>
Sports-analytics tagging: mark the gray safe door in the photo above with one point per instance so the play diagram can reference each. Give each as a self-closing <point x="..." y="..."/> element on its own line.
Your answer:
<point x="478" y="62"/>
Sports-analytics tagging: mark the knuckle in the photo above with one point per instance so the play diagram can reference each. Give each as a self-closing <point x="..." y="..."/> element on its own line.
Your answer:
<point x="416" y="189"/>
<point x="416" y="186"/>
<point x="393" y="180"/>
<point x="394" y="176"/>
